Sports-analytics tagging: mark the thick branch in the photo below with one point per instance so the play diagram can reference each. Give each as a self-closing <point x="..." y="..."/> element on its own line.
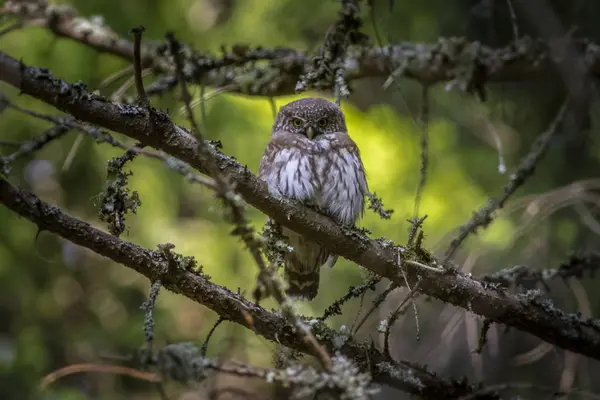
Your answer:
<point x="523" y="312"/>
<point x="230" y="306"/>
<point x="467" y="64"/>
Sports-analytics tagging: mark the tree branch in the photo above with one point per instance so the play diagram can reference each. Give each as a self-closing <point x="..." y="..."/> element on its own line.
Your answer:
<point x="231" y="306"/>
<point x="524" y="312"/>
<point x="521" y="276"/>
<point x="462" y="63"/>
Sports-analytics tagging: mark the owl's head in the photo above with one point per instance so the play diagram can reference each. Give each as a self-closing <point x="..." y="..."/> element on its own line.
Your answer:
<point x="310" y="117"/>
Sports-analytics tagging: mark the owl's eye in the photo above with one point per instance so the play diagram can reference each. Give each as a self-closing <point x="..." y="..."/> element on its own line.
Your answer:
<point x="297" y="122"/>
<point x="322" y="122"/>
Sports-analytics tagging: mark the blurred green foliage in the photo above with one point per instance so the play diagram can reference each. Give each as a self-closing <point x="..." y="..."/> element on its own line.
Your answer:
<point x="61" y="304"/>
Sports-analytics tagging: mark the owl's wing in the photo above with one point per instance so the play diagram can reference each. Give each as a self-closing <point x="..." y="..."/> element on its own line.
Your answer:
<point x="266" y="160"/>
<point x="267" y="170"/>
<point x="362" y="174"/>
<point x="346" y="142"/>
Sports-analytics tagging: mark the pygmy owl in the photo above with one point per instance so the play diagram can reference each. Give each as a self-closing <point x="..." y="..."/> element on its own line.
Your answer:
<point x="312" y="159"/>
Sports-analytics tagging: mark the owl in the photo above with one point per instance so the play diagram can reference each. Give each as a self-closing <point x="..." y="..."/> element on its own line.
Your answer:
<point x="312" y="159"/>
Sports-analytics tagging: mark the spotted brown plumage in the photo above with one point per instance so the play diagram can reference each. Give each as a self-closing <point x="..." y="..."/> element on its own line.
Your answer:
<point x="312" y="159"/>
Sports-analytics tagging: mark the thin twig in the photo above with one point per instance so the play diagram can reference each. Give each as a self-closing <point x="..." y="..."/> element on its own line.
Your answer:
<point x="378" y="39"/>
<point x="424" y="144"/>
<point x="11" y="28"/>
<point x="49" y="135"/>
<point x="513" y="19"/>
<point x="376" y="204"/>
<point x="139" y="83"/>
<point x="203" y="114"/>
<point x="376" y="303"/>
<point x="484" y="216"/>
<point x="107" y="369"/>
<point x="415" y="224"/>
<point x="71" y="154"/>
<point x="204" y="347"/>
<point x="273" y="104"/>
<point x="175" y="48"/>
<point x="487" y="323"/>
<point x="205" y="98"/>
<point x="118" y="96"/>
<point x="424" y="266"/>
<point x="411" y="294"/>
<point x="109" y="80"/>
<point x="392" y="319"/>
<point x="355" y="291"/>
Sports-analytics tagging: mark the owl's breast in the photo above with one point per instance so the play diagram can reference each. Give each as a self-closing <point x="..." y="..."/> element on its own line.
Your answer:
<point x="342" y="183"/>
<point x="292" y="175"/>
<point x="329" y="177"/>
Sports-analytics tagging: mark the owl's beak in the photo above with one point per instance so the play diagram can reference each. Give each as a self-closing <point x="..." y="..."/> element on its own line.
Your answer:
<point x="310" y="132"/>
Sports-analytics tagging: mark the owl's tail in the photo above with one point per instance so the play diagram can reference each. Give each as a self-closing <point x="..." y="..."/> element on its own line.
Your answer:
<point x="302" y="284"/>
<point x="302" y="266"/>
